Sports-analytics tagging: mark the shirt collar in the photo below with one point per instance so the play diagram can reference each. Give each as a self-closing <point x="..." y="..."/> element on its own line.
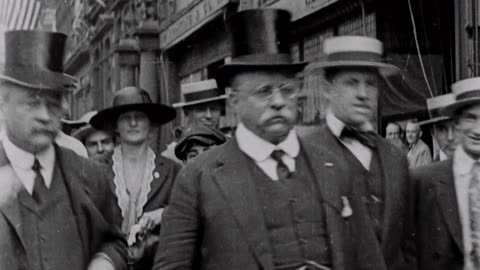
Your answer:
<point x="259" y="149"/>
<point x="23" y="159"/>
<point x="462" y="162"/>
<point x="336" y="125"/>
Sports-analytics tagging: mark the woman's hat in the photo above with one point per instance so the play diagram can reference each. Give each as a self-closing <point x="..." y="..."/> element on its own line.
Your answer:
<point x="132" y="99"/>
<point x="35" y="59"/>
<point x="199" y="92"/>
<point x="200" y="134"/>
<point x="435" y="106"/>
<point x="354" y="51"/>
<point x="467" y="92"/>
<point x="259" y="41"/>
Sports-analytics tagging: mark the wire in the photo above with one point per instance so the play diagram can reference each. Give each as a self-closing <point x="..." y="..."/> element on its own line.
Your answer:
<point x="418" y="48"/>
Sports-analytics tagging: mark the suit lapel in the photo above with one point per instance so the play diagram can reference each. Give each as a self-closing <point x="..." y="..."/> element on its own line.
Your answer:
<point x="234" y="180"/>
<point x="159" y="175"/>
<point x="447" y="200"/>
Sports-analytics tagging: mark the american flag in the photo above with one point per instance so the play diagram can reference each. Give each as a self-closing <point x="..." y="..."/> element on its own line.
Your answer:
<point x="19" y="14"/>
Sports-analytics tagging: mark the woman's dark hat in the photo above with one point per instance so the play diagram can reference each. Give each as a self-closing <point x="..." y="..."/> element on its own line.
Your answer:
<point x="35" y="59"/>
<point x="259" y="41"/>
<point x="467" y="93"/>
<point x="132" y="99"/>
<point x="200" y="134"/>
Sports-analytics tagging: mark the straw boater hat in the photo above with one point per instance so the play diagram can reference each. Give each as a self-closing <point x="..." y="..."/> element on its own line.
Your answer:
<point x="354" y="51"/>
<point x="82" y="133"/>
<point x="467" y="92"/>
<point x="35" y="60"/>
<point x="132" y="99"/>
<point x="435" y="106"/>
<point x="198" y="93"/>
<point x="259" y="41"/>
<point x="199" y="134"/>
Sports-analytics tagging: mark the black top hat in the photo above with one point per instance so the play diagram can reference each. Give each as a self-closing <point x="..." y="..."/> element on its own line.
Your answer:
<point x="260" y="41"/>
<point x="132" y="99"/>
<point x="200" y="134"/>
<point x="35" y="59"/>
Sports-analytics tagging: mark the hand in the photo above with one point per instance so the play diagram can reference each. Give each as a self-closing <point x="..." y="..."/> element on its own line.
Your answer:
<point x="151" y="219"/>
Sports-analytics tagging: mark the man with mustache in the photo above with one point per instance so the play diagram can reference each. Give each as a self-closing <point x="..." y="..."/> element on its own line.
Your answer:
<point x="61" y="216"/>
<point x="264" y="199"/>
<point x="354" y="69"/>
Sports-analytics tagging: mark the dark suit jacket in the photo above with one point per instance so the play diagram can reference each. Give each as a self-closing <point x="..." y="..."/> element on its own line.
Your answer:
<point x="214" y="220"/>
<point x="398" y="212"/>
<point x="438" y="227"/>
<point x="92" y="201"/>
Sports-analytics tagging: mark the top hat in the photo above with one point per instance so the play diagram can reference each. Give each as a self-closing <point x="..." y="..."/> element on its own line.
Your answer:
<point x="259" y="41"/>
<point x="354" y="51"/>
<point x="199" y="92"/>
<point x="200" y="134"/>
<point x="467" y="92"/>
<point x="35" y="59"/>
<point x="435" y="106"/>
<point x="132" y="99"/>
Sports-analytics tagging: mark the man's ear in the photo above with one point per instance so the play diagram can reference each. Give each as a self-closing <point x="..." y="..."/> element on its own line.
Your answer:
<point x="233" y="100"/>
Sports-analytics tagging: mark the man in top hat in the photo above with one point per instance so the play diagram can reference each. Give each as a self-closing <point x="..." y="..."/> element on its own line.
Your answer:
<point x="196" y="140"/>
<point x="60" y="216"/>
<point x="419" y="153"/>
<point x="353" y="69"/>
<point x="448" y="192"/>
<point x="265" y="199"/>
<point x="98" y="143"/>
<point x="442" y="127"/>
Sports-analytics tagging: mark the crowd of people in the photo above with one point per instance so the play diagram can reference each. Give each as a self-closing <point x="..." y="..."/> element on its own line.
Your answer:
<point x="263" y="197"/>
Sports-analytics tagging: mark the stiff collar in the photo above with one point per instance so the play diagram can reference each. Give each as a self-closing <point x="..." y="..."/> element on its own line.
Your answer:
<point x="24" y="160"/>
<point x="259" y="149"/>
<point x="336" y="125"/>
<point x="462" y="162"/>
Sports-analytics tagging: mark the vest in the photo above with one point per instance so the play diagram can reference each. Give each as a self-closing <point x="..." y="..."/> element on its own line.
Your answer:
<point x="52" y="238"/>
<point x="294" y="216"/>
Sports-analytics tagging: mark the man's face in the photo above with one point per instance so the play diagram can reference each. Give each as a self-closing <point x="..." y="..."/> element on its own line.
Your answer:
<point x="393" y="132"/>
<point x="444" y="133"/>
<point x="99" y="144"/>
<point x="468" y="128"/>
<point x="32" y="117"/>
<point x="133" y="127"/>
<point x="207" y="114"/>
<point x="412" y="132"/>
<point x="195" y="150"/>
<point x="265" y="102"/>
<point x="353" y="96"/>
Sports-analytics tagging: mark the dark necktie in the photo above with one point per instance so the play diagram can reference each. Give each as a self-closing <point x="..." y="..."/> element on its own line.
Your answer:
<point x="367" y="138"/>
<point x="282" y="170"/>
<point x="39" y="188"/>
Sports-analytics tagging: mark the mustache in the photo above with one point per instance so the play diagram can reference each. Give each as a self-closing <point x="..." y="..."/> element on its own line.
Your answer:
<point x="45" y="129"/>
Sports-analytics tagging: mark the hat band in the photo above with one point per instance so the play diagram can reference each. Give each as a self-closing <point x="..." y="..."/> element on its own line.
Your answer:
<point x="264" y="59"/>
<point x="355" y="56"/>
<point x="470" y="94"/>
<point x="437" y="112"/>
<point x="199" y="95"/>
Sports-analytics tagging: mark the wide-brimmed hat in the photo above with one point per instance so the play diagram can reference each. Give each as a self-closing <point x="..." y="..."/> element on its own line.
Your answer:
<point x="436" y="106"/>
<point x="35" y="59"/>
<point x="86" y="129"/>
<point x="467" y="92"/>
<point x="259" y="41"/>
<point x="200" y="134"/>
<point x="132" y="99"/>
<point x="352" y="52"/>
<point x="199" y="92"/>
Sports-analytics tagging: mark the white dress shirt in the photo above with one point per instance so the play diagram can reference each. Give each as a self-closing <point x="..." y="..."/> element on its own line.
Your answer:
<point x="462" y="165"/>
<point x="22" y="162"/>
<point x="360" y="151"/>
<point x="260" y="150"/>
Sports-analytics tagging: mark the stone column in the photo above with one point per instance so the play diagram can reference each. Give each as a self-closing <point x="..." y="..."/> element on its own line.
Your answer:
<point x="148" y="44"/>
<point x="128" y="59"/>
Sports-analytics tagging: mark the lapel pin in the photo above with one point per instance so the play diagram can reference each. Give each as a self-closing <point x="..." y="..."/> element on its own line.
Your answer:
<point x="346" y="209"/>
<point x="328" y="164"/>
<point x="156" y="174"/>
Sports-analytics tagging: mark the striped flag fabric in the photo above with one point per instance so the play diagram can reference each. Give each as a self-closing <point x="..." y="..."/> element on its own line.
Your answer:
<point x="19" y="14"/>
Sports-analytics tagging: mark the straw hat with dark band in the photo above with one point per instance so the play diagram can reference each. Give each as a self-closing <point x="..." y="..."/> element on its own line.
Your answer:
<point x="199" y="93"/>
<point x="467" y="93"/>
<point x="436" y="106"/>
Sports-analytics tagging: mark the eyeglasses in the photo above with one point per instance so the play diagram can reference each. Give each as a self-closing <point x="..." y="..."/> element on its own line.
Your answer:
<point x="266" y="91"/>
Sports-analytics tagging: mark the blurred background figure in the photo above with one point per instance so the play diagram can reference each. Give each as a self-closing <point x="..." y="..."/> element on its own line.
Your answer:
<point x="418" y="152"/>
<point x="394" y="135"/>
<point x="65" y="140"/>
<point x="169" y="152"/>
<point x="196" y="140"/>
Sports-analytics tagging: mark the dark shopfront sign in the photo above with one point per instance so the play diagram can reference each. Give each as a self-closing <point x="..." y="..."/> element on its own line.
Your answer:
<point x="298" y="8"/>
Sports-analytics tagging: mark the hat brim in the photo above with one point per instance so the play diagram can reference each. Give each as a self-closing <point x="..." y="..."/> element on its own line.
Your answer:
<point x="206" y="100"/>
<point x="453" y="109"/>
<point x="433" y="120"/>
<point x="203" y="138"/>
<point x="83" y="132"/>
<point x="383" y="68"/>
<point x="38" y="79"/>
<point x="157" y="113"/>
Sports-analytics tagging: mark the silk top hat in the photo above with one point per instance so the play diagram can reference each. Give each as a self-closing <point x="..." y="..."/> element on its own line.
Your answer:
<point x="200" y="134"/>
<point x="435" y="106"/>
<point x="35" y="59"/>
<point x="200" y="92"/>
<point x="354" y="51"/>
<point x="132" y="99"/>
<point x="467" y="92"/>
<point x="259" y="41"/>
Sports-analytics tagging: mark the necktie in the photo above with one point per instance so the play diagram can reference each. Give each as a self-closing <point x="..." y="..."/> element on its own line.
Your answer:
<point x="39" y="188"/>
<point x="367" y="138"/>
<point x="474" y="208"/>
<point x="282" y="170"/>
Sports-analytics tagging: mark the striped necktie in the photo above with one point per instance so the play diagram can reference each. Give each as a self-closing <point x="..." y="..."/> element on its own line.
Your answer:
<point x="474" y="208"/>
<point x="282" y="170"/>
